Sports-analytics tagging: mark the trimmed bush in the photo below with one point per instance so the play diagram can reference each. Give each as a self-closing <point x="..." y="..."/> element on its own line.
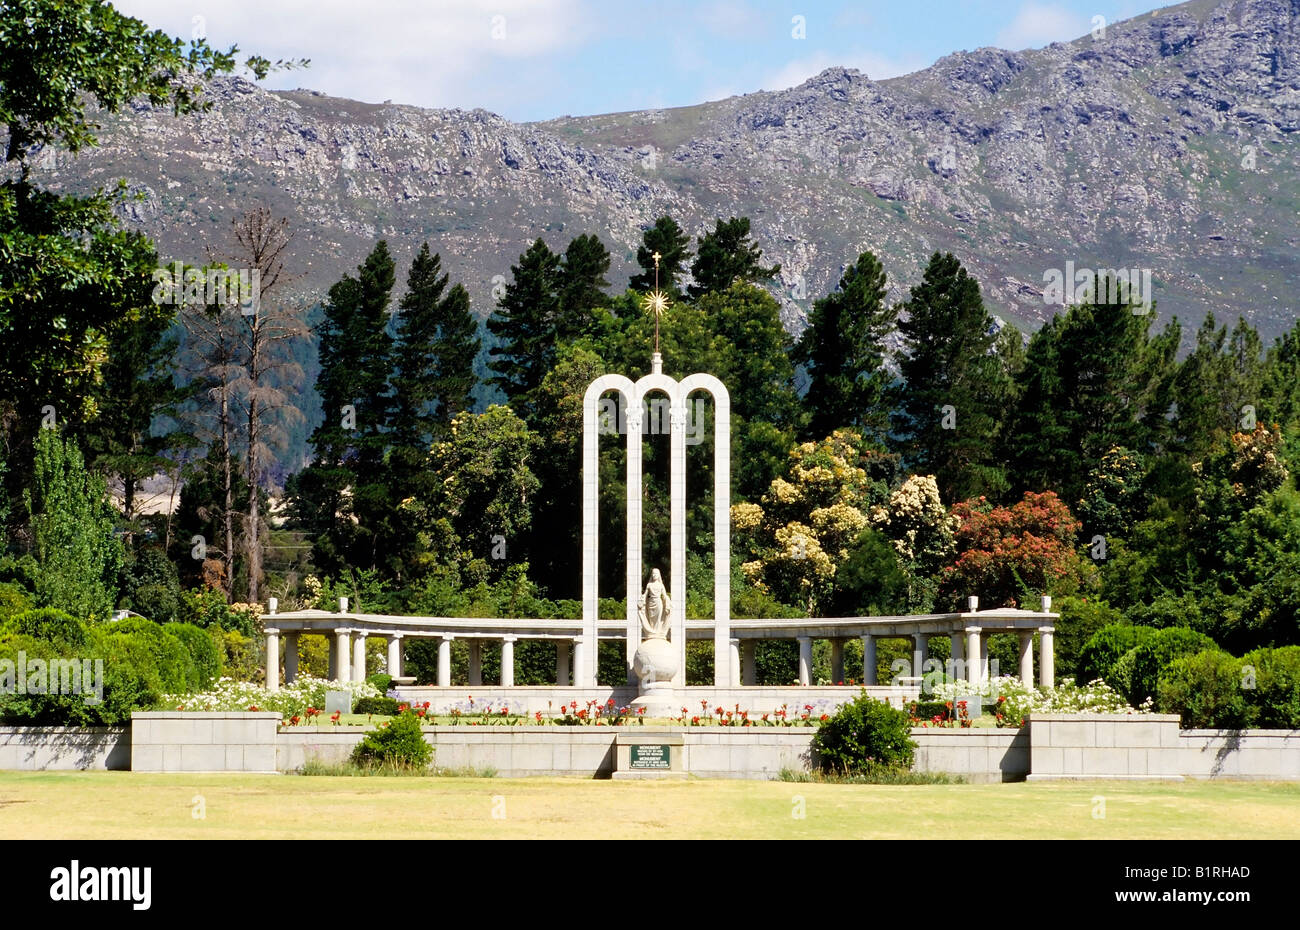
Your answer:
<point x="1105" y="647"/>
<point x="1155" y="654"/>
<point x="380" y="706"/>
<point x="399" y="744"/>
<point x="1205" y="691"/>
<point x="176" y="669"/>
<point x="1275" y="698"/>
<point x="864" y="734"/>
<point x="203" y="652"/>
<point x="51" y="625"/>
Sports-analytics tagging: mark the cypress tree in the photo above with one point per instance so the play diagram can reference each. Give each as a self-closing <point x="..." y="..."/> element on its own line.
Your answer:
<point x="843" y="349"/>
<point x="523" y="326"/>
<point x="726" y="254"/>
<point x="949" y="405"/>
<point x="673" y="246"/>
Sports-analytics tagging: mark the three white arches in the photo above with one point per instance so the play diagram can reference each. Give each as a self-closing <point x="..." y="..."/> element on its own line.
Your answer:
<point x="633" y="396"/>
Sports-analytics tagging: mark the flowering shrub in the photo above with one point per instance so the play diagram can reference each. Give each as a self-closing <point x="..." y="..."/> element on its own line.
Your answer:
<point x="291" y="700"/>
<point x="1010" y="701"/>
<point x="398" y="743"/>
<point x="863" y="734"/>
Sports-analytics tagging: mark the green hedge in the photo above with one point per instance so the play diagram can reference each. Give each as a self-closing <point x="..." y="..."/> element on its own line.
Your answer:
<point x="1106" y="647"/>
<point x="203" y="649"/>
<point x="1212" y="690"/>
<point x="400" y="744"/>
<point x="1275" y="697"/>
<point x="380" y="706"/>
<point x="1153" y="655"/>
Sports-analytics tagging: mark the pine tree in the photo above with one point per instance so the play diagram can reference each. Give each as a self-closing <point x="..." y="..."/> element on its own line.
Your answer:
<point x="843" y="349"/>
<point x="726" y="254"/>
<point x="673" y="245"/>
<point x="1094" y="379"/>
<point x="523" y="327"/>
<point x="340" y="499"/>
<point x="954" y="385"/>
<point x="581" y="288"/>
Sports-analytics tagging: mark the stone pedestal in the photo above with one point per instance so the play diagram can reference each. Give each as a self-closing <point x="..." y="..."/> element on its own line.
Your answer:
<point x="655" y="665"/>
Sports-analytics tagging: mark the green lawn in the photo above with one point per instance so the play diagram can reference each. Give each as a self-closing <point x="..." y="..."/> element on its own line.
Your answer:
<point x="110" y="805"/>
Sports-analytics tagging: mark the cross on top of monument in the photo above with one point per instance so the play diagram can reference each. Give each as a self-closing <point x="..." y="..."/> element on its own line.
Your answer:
<point x="656" y="303"/>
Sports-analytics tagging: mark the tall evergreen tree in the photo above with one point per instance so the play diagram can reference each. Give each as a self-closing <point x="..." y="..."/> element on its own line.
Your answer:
<point x="954" y="386"/>
<point x="1093" y="379"/>
<point x="524" y="327"/>
<point x="844" y="351"/>
<point x="672" y="244"/>
<point x="581" y="288"/>
<point x="340" y="498"/>
<point x="726" y="254"/>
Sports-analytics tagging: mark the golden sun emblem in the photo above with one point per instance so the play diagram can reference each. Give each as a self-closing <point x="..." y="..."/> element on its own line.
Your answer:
<point x="656" y="302"/>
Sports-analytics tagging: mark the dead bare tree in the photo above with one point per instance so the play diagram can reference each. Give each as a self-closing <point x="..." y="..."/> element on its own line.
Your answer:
<point x="266" y="339"/>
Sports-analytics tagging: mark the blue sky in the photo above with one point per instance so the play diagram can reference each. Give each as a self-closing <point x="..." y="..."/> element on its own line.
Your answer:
<point x="536" y="59"/>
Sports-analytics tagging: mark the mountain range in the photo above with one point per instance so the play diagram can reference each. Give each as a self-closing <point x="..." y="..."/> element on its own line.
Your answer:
<point x="1165" y="142"/>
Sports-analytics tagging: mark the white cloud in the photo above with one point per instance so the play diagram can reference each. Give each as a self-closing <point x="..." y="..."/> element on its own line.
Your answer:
<point x="1038" y="24"/>
<point x="409" y="51"/>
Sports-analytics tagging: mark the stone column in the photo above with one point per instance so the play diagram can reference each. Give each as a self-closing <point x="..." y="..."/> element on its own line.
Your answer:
<point x="734" y="656"/>
<point x="508" y="661"/>
<point x="359" y="656"/>
<point x="562" y="662"/>
<point x="677" y="548"/>
<point x="476" y="662"/>
<point x="444" y="661"/>
<point x="333" y="673"/>
<point x="1026" y="658"/>
<point x="721" y="508"/>
<point x="1046" y="657"/>
<point x="957" y="653"/>
<point x="272" y="659"/>
<point x="920" y="652"/>
<point x="984" y="656"/>
<point x="343" y="660"/>
<point x="635" y="583"/>
<point x="805" y="660"/>
<point x="869" y="659"/>
<point x="290" y="658"/>
<point x="748" y="667"/>
<point x="395" y="655"/>
<point x="837" y="661"/>
<point x="579" y="657"/>
<point x="973" y="654"/>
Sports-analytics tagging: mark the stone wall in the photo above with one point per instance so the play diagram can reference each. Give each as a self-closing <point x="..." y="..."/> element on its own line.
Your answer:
<point x="1049" y="747"/>
<point x="182" y="741"/>
<point x="978" y="754"/>
<point x="43" y="748"/>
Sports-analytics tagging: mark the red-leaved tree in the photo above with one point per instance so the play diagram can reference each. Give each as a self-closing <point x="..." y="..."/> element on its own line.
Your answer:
<point x="1009" y="555"/>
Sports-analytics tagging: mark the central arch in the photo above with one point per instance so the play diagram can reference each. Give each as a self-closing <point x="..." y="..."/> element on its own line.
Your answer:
<point x="633" y="397"/>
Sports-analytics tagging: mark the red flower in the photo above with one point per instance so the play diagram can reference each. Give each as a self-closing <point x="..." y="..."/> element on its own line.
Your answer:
<point x="538" y="715"/>
<point x="695" y="721"/>
<point x="294" y="719"/>
<point x="610" y="702"/>
<point x="640" y="710"/>
<point x="403" y="708"/>
<point x="426" y="705"/>
<point x="421" y="712"/>
<point x="824" y="718"/>
<point x="504" y="711"/>
<point x="252" y="708"/>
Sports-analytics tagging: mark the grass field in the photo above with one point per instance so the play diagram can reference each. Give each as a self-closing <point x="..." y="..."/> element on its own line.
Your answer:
<point x="122" y="805"/>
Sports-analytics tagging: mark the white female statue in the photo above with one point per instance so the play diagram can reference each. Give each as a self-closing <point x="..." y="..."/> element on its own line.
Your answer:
<point x="655" y="608"/>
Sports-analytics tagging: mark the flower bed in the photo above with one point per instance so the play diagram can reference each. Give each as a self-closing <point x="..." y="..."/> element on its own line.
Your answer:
<point x="1010" y="702"/>
<point x="300" y="699"/>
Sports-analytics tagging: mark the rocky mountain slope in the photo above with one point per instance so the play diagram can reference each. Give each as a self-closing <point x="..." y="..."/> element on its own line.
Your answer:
<point x="1167" y="143"/>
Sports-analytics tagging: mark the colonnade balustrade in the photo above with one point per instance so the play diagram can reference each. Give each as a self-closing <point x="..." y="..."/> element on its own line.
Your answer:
<point x="968" y="635"/>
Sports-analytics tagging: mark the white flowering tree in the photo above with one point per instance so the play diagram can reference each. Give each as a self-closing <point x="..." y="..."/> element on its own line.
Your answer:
<point x="807" y="523"/>
<point x="921" y="529"/>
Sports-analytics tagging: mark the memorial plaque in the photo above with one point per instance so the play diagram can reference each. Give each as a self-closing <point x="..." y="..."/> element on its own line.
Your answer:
<point x="340" y="701"/>
<point x="647" y="756"/>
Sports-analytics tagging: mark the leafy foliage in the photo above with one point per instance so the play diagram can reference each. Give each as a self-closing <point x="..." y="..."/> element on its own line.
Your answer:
<point x="864" y="733"/>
